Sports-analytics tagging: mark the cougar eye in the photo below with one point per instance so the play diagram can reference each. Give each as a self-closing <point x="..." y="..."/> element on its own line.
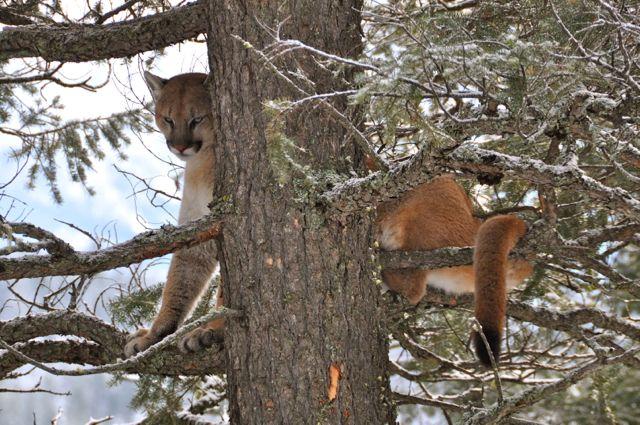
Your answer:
<point x="168" y="121"/>
<point x="195" y="121"/>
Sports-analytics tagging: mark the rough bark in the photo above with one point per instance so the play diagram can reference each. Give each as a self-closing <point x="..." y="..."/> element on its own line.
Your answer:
<point x="304" y="284"/>
<point x="81" y="43"/>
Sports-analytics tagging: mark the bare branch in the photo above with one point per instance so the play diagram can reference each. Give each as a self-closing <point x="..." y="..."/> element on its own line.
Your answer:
<point x="151" y="244"/>
<point x="52" y="243"/>
<point x="95" y="42"/>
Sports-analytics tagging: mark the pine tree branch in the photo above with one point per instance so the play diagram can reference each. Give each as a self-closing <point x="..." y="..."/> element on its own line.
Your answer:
<point x="433" y="259"/>
<point x="358" y="194"/>
<point x="470" y="158"/>
<point x="409" y="399"/>
<point x="531" y="396"/>
<point x="569" y="321"/>
<point x="49" y="241"/>
<point x="527" y="248"/>
<point x="63" y="322"/>
<point x="364" y="193"/>
<point x="151" y="244"/>
<point x="169" y="362"/>
<point x="11" y="17"/>
<point x="81" y="43"/>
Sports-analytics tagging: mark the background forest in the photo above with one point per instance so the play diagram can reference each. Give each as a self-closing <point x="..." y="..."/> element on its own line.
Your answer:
<point x="533" y="104"/>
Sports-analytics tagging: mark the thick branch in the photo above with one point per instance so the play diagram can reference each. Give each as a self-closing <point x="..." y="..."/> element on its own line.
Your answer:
<point x="151" y="244"/>
<point x="470" y="158"/>
<point x="82" y="43"/>
<point x="168" y="362"/>
<point x="527" y="248"/>
<point x="10" y="17"/>
<point x="103" y="346"/>
<point x="63" y="322"/>
<point x="436" y="258"/>
<point x="361" y="194"/>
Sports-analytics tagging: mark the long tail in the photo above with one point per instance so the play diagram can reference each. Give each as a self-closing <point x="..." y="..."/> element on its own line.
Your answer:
<point x="495" y="239"/>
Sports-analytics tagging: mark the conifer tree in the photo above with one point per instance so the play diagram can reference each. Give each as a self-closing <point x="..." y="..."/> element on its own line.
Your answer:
<point x="531" y="104"/>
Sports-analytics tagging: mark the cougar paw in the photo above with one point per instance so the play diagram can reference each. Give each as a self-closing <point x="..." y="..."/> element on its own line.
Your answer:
<point x="199" y="339"/>
<point x="138" y="341"/>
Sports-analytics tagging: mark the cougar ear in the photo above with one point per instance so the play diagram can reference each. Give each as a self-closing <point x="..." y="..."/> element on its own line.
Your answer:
<point x="155" y="84"/>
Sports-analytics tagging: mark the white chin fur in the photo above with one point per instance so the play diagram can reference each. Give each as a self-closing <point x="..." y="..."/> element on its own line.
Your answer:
<point x="184" y="155"/>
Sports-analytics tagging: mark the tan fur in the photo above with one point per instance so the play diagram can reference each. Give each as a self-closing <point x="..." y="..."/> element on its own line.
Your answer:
<point x="439" y="214"/>
<point x="181" y="99"/>
<point x="433" y="215"/>
<point x="495" y="239"/>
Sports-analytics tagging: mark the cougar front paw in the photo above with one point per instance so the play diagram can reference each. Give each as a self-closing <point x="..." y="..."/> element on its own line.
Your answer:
<point x="199" y="339"/>
<point x="139" y="341"/>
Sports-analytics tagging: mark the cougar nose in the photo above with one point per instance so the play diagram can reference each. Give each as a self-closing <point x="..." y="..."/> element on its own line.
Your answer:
<point x="177" y="146"/>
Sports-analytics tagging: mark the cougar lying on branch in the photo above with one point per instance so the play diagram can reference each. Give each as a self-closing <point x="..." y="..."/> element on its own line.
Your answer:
<point x="436" y="214"/>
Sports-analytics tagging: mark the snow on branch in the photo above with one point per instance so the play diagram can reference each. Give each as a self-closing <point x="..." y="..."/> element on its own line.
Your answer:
<point x="357" y="194"/>
<point x="470" y="158"/>
<point x="611" y="340"/>
<point x="101" y="347"/>
<point x="533" y="395"/>
<point x="364" y="193"/>
<point x="63" y="322"/>
<point x="151" y="244"/>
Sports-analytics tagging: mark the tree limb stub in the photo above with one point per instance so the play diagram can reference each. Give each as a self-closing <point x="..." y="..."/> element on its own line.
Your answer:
<point x="151" y="244"/>
<point x="82" y="43"/>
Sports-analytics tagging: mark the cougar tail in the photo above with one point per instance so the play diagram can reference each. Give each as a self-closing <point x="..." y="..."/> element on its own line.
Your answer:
<point x="495" y="239"/>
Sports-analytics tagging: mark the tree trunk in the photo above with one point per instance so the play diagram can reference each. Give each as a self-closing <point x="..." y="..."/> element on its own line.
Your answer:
<point x="303" y="281"/>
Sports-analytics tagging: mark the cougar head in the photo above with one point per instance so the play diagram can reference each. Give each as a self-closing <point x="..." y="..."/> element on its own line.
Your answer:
<point x="182" y="112"/>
